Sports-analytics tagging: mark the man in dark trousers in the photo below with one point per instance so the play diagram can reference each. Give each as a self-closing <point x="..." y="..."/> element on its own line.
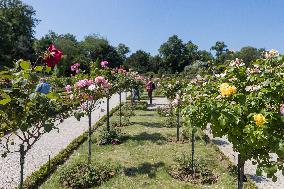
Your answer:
<point x="150" y="86"/>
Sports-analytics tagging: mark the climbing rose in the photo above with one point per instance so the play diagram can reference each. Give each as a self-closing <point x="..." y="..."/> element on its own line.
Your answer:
<point x="259" y="119"/>
<point x="52" y="56"/>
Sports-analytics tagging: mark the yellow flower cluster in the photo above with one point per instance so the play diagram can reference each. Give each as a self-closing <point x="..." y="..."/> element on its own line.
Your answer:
<point x="227" y="90"/>
<point x="259" y="119"/>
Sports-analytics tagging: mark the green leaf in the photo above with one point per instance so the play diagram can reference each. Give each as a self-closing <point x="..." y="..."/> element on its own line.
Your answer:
<point x="47" y="127"/>
<point x="25" y="65"/>
<point x="48" y="69"/>
<point x="282" y="118"/>
<point x="38" y="68"/>
<point x="52" y="95"/>
<point x="6" y="99"/>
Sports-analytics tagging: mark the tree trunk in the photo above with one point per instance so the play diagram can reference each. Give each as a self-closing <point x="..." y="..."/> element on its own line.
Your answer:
<point x="120" y="122"/>
<point x="192" y="154"/>
<point x="108" y="126"/>
<point x="22" y="161"/>
<point x="90" y="138"/>
<point x="178" y="123"/>
<point x="241" y="165"/>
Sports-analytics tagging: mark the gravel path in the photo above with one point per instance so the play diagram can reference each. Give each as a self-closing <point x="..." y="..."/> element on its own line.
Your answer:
<point x="261" y="182"/>
<point x="49" y="144"/>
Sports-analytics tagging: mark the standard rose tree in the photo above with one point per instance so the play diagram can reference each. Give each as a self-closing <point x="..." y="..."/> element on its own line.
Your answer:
<point x="246" y="105"/>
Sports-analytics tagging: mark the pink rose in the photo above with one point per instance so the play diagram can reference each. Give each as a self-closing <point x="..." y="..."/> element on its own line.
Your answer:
<point x="68" y="88"/>
<point x="104" y="64"/>
<point x="100" y="80"/>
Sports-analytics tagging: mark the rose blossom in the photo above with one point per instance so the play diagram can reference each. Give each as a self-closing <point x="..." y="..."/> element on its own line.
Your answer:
<point x="52" y="56"/>
<point x="68" y="88"/>
<point x="104" y="64"/>
<point x="100" y="80"/>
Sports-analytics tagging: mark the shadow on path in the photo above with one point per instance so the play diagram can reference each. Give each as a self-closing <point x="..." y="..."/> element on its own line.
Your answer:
<point x="257" y="179"/>
<point x="145" y="168"/>
<point x="219" y="142"/>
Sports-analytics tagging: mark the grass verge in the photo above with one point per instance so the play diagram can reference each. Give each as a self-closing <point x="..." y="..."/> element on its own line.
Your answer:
<point x="146" y="154"/>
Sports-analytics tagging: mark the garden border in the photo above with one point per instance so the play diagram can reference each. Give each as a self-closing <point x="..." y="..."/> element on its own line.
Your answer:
<point x="38" y="177"/>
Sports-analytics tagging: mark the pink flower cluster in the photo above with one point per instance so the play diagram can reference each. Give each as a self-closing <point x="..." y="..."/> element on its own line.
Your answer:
<point x="68" y="88"/>
<point x="121" y="70"/>
<point x="100" y="80"/>
<point x="75" y="67"/>
<point x="104" y="64"/>
<point x="84" y="83"/>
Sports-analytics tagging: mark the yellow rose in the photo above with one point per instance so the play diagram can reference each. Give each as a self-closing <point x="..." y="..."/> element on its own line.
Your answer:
<point x="232" y="89"/>
<point x="227" y="90"/>
<point x="259" y="119"/>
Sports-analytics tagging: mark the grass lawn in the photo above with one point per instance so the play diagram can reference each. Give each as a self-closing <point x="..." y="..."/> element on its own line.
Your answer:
<point x="146" y="154"/>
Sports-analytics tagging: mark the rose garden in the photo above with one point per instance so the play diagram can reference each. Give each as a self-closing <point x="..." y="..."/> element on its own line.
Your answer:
<point x="215" y="123"/>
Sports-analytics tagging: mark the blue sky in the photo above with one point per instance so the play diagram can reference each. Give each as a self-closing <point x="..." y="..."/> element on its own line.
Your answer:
<point x="146" y="24"/>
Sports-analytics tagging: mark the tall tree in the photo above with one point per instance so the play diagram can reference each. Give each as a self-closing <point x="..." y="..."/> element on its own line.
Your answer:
<point x="220" y="48"/>
<point x="17" y="22"/>
<point x="138" y="61"/>
<point x="122" y="51"/>
<point x="98" y="48"/>
<point x="173" y="53"/>
<point x="248" y="54"/>
<point x="221" y="51"/>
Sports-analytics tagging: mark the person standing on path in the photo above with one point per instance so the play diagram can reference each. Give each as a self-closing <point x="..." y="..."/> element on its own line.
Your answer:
<point x="150" y="86"/>
<point x="43" y="86"/>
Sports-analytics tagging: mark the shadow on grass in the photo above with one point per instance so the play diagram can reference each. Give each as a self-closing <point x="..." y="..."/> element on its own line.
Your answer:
<point x="145" y="168"/>
<point x="154" y="137"/>
<point x="146" y="115"/>
<point x="148" y="124"/>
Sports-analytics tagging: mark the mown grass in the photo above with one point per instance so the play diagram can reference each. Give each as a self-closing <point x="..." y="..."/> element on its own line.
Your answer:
<point x="146" y="154"/>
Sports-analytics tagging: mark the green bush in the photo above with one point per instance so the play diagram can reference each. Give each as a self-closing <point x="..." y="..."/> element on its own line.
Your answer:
<point x="112" y="136"/>
<point x="80" y="175"/>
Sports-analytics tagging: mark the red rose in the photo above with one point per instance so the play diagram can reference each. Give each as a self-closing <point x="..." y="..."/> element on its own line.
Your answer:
<point x="52" y="56"/>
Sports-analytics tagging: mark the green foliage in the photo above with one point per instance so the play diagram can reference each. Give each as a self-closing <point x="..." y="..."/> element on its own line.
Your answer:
<point x="173" y="53"/>
<point x="112" y="136"/>
<point x="258" y="91"/>
<point x="81" y="175"/>
<point x="17" y="22"/>
<point x="138" y="61"/>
